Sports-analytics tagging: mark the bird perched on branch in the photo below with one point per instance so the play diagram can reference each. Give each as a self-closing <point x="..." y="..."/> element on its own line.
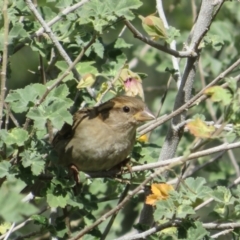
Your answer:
<point x="101" y="137"/>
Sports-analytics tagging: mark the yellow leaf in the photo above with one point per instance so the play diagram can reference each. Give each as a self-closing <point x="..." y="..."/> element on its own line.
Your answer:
<point x="4" y="227"/>
<point x="200" y="129"/>
<point x="160" y="192"/>
<point x="151" y="199"/>
<point x="87" y="81"/>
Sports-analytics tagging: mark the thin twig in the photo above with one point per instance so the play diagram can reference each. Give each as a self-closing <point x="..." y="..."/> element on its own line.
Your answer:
<point x="137" y="34"/>
<point x="125" y="200"/>
<point x="155" y="123"/>
<point x="60" y="79"/>
<point x="55" y="42"/>
<point x="140" y="187"/>
<point x="62" y="14"/>
<point x="224" y="232"/>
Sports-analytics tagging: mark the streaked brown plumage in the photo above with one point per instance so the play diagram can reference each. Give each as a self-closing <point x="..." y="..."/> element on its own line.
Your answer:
<point x="101" y="137"/>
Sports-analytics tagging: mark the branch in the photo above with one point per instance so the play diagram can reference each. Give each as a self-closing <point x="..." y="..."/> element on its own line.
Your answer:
<point x="192" y="156"/>
<point x="62" y="14"/>
<point x="141" y="186"/>
<point x="41" y="30"/>
<point x="5" y="59"/>
<point x="56" y="42"/>
<point x="176" y="223"/>
<point x="177" y="74"/>
<point x="137" y="34"/>
<point x="159" y="121"/>
<point x="60" y="79"/>
<point x="125" y="200"/>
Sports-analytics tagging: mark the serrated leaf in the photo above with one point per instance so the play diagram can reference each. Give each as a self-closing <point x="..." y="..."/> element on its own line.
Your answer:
<point x="184" y="210"/>
<point x="16" y="136"/>
<point x="57" y="201"/>
<point x="34" y="160"/>
<point x="197" y="232"/>
<point x="200" y="129"/>
<point x="172" y="34"/>
<point x="219" y="94"/>
<point x="22" y="99"/>
<point x="56" y="112"/>
<point x="222" y="195"/>
<point x="104" y="13"/>
<point x="195" y="189"/>
<point x="164" y="209"/>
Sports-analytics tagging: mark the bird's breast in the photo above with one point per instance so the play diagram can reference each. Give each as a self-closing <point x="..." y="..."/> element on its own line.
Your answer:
<point x="99" y="148"/>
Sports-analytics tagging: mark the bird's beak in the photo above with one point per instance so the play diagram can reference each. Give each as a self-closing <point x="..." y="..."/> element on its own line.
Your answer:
<point x="144" y="115"/>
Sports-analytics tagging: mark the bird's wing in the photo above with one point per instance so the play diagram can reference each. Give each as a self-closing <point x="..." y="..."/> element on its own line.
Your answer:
<point x="67" y="130"/>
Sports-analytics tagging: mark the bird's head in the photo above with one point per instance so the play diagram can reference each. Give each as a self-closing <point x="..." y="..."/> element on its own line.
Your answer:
<point x="124" y="112"/>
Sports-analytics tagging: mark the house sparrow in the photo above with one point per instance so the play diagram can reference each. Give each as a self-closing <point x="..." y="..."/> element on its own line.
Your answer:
<point x="101" y="137"/>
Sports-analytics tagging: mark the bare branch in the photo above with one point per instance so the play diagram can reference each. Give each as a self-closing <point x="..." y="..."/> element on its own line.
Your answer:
<point x="159" y="121"/>
<point x="156" y="45"/>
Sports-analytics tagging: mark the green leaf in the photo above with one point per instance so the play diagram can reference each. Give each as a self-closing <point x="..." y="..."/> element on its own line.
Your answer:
<point x="184" y="210"/>
<point x="150" y="152"/>
<point x="98" y="49"/>
<point x="39" y="219"/>
<point x="120" y="43"/>
<point x="34" y="159"/>
<point x="172" y="34"/>
<point x="57" y="201"/>
<point x="194" y="189"/>
<point x="12" y="207"/>
<point x="54" y="108"/>
<point x="105" y="13"/>
<point x="4" y="168"/>
<point x="222" y="195"/>
<point x="197" y="232"/>
<point x="219" y="94"/>
<point x="164" y="209"/>
<point x="86" y="67"/>
<point x="22" y="99"/>
<point x="214" y="40"/>
<point x="17" y="32"/>
<point x="16" y="136"/>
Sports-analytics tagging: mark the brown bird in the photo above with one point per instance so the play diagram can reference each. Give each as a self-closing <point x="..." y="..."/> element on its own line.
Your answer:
<point x="101" y="137"/>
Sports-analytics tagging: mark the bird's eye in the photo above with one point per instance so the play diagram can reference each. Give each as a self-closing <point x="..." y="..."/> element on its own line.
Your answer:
<point x="126" y="109"/>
